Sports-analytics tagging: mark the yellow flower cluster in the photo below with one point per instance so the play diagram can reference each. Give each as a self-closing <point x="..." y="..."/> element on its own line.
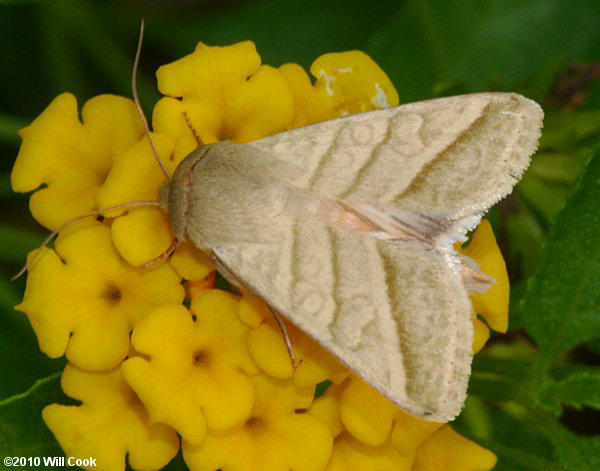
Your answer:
<point x="158" y="358"/>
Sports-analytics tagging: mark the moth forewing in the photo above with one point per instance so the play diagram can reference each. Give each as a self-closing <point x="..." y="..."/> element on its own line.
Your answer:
<point x="364" y="210"/>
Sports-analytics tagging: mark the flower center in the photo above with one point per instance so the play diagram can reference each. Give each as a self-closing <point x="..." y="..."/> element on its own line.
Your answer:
<point x="200" y="359"/>
<point x="112" y="294"/>
<point x="254" y="424"/>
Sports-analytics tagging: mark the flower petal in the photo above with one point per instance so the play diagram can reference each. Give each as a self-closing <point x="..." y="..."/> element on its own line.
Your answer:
<point x="190" y="262"/>
<point x="134" y="165"/>
<point x="326" y="408"/>
<point x="315" y="364"/>
<point x="410" y="431"/>
<point x="253" y="310"/>
<point x="350" y="454"/>
<point x="482" y="334"/>
<point x="195" y="287"/>
<point x="142" y="235"/>
<point x="309" y="108"/>
<point x="365" y="413"/>
<point x="446" y="450"/>
<point x="268" y="350"/>
<point x="493" y="304"/>
<point x="352" y="83"/>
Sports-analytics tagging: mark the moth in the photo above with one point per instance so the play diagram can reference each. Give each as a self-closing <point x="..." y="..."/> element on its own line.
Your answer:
<point x="347" y="227"/>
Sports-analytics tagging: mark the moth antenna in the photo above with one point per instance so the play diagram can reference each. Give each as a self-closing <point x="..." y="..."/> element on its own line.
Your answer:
<point x="193" y="129"/>
<point x="286" y="337"/>
<point x="162" y="256"/>
<point x="138" y="105"/>
<point x="78" y="218"/>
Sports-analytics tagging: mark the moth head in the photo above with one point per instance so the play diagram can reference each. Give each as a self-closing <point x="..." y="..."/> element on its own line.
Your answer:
<point x="176" y="193"/>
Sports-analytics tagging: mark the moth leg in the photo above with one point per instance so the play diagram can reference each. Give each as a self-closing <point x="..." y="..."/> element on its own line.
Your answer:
<point x="162" y="256"/>
<point x="286" y="337"/>
<point x="227" y="273"/>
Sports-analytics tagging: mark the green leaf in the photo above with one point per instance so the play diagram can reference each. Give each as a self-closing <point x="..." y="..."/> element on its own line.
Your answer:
<point x="16" y="243"/>
<point x="576" y="391"/>
<point x="9" y="125"/>
<point x="515" y="459"/>
<point x="5" y="186"/>
<point x="176" y="464"/>
<point x="545" y="197"/>
<point x="22" y="431"/>
<point x="18" y="2"/>
<point x="581" y="453"/>
<point x="9" y="295"/>
<point x="316" y="27"/>
<point x="560" y="308"/>
<point x="566" y="130"/>
<point x="21" y="362"/>
<point x="574" y="452"/>
<point x="493" y="44"/>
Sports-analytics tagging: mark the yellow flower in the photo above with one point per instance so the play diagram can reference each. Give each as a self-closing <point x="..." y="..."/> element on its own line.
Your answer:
<point x="109" y="425"/>
<point x="371" y="428"/>
<point x="365" y="413"/>
<point x="277" y="436"/>
<point x="350" y="454"/>
<point x="446" y="450"/>
<point x="493" y="304"/>
<point x="227" y="95"/>
<point x="70" y="157"/>
<point x="327" y="408"/>
<point x="84" y="294"/>
<point x="409" y="431"/>
<point x="194" y="288"/>
<point x="267" y="347"/>
<point x="134" y="230"/>
<point x="347" y="83"/>
<point x="193" y="372"/>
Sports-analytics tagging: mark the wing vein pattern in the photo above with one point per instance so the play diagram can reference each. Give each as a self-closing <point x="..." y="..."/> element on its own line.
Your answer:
<point x="395" y="312"/>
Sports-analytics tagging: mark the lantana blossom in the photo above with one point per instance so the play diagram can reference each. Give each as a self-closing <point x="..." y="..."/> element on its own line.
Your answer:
<point x="193" y="372"/>
<point x="213" y="367"/>
<point x="277" y="435"/>
<point x="91" y="430"/>
<point x="83" y="299"/>
<point x="72" y="158"/>
<point x="446" y="450"/>
<point x="269" y="351"/>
